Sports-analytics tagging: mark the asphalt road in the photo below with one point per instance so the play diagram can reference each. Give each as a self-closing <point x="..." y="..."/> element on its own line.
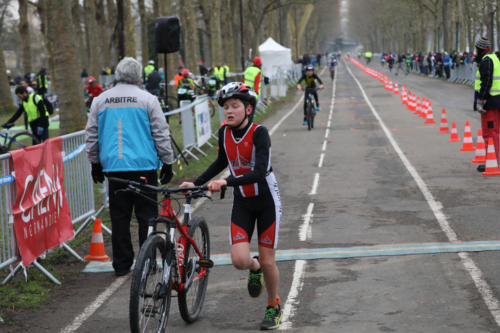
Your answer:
<point x="369" y="173"/>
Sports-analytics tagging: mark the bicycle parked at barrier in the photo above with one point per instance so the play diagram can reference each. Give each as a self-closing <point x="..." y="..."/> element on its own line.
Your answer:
<point x="175" y="259"/>
<point x="19" y="140"/>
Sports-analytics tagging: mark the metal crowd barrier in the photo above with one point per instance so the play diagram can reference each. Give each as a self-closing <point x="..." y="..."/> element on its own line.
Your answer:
<point x="459" y="73"/>
<point x="79" y="194"/>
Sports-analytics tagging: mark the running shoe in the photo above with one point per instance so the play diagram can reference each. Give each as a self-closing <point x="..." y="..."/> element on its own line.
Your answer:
<point x="255" y="282"/>
<point x="272" y="318"/>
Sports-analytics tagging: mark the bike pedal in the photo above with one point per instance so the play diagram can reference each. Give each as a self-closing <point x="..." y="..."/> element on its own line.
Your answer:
<point x="206" y="263"/>
<point x="148" y="311"/>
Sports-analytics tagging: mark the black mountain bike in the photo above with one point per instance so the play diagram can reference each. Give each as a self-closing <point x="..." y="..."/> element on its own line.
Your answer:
<point x="310" y="107"/>
<point x="175" y="259"/>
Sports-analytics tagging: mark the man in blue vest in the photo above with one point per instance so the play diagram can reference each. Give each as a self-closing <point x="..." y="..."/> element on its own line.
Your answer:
<point x="35" y="113"/>
<point x="128" y="137"/>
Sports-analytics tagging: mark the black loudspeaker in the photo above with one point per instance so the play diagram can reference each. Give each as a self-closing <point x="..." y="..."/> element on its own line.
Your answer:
<point x="167" y="34"/>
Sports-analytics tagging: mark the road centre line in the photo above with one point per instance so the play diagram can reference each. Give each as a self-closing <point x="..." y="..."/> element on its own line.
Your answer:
<point x="323" y="148"/>
<point x="437" y="208"/>
<point x="327" y="132"/>
<point x="314" y="188"/>
<point x="321" y="158"/>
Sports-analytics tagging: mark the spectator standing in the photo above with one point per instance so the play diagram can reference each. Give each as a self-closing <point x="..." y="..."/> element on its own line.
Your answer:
<point x="42" y="80"/>
<point x="253" y="75"/>
<point x="153" y="84"/>
<point x="488" y="97"/>
<point x="128" y="114"/>
<point x="148" y="70"/>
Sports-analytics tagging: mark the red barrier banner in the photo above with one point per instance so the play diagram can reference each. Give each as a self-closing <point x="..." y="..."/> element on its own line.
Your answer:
<point x="42" y="218"/>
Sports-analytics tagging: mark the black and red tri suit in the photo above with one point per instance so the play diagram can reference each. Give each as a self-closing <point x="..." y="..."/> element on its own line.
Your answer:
<point x="247" y="153"/>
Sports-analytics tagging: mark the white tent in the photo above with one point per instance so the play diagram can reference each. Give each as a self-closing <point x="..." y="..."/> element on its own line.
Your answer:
<point x="274" y="57"/>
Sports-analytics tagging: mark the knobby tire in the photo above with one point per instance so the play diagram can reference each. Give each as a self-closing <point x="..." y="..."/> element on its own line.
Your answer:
<point x="148" y="311"/>
<point x="191" y="300"/>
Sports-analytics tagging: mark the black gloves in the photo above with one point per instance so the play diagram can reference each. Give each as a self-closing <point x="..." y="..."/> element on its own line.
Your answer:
<point x="97" y="174"/>
<point x="166" y="173"/>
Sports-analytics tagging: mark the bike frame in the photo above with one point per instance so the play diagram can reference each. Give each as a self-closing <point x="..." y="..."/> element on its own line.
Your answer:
<point x="178" y="247"/>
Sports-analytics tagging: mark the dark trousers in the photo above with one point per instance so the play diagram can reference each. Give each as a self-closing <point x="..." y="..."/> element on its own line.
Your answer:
<point x="121" y="205"/>
<point x="490" y="125"/>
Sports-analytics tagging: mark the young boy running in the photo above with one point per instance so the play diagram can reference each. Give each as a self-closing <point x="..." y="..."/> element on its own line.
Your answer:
<point x="246" y="148"/>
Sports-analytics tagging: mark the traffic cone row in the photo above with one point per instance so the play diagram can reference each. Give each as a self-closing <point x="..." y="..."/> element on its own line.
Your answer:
<point x="423" y="107"/>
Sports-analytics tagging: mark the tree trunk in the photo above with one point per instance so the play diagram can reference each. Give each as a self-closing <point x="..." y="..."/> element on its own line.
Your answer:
<point x="190" y="34"/>
<point x="6" y="103"/>
<point x="445" y="20"/>
<point x="60" y="32"/>
<point x="102" y="25"/>
<point x="144" y="33"/>
<point x="76" y="15"/>
<point x="129" y="30"/>
<point x="91" y="35"/>
<point x="461" y="21"/>
<point x="24" y="32"/>
<point x="113" y="40"/>
<point x="215" y="33"/>
<point x="120" y="30"/>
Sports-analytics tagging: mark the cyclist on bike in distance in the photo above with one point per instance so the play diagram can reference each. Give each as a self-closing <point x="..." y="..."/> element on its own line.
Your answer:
<point x="185" y="87"/>
<point x="246" y="148"/>
<point x="332" y="63"/>
<point x="310" y="79"/>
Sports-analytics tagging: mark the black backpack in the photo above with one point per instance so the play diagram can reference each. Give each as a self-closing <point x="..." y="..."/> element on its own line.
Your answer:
<point x="48" y="105"/>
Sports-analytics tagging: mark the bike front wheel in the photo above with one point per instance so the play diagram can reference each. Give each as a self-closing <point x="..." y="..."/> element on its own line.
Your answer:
<point x="310" y="117"/>
<point x="191" y="299"/>
<point x="22" y="140"/>
<point x="150" y="295"/>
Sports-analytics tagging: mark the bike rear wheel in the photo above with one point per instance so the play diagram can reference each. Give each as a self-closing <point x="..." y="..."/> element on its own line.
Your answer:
<point x="191" y="300"/>
<point x="22" y="140"/>
<point x="150" y="298"/>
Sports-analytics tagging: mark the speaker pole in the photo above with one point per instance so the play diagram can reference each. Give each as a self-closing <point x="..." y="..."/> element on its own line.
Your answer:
<point x="165" y="77"/>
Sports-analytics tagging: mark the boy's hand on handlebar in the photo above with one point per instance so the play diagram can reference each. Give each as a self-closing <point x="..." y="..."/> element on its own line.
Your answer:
<point x="216" y="185"/>
<point x="321" y="86"/>
<point x="299" y="87"/>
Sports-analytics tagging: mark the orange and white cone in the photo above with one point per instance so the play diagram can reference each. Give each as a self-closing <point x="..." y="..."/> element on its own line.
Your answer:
<point x="97" y="252"/>
<point x="429" y="118"/>
<point x="396" y="89"/>
<point x="390" y="86"/>
<point x="418" y="106"/>
<point x="491" y="168"/>
<point x="468" y="144"/>
<point x="454" y="134"/>
<point x="443" y="128"/>
<point x="480" y="156"/>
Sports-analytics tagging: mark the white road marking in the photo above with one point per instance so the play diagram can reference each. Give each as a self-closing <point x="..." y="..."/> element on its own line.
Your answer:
<point x="292" y="301"/>
<point x="89" y="310"/>
<point x="303" y="230"/>
<point x="437" y="208"/>
<point x="278" y="124"/>
<point x="314" y="188"/>
<point x="323" y="148"/>
<point x="327" y="132"/>
<point x="321" y="158"/>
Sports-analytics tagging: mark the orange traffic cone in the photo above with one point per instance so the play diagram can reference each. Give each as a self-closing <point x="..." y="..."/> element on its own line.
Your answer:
<point x="396" y="89"/>
<point x="467" y="145"/>
<point x="454" y="133"/>
<point x="480" y="156"/>
<point x="444" y="123"/>
<point x="418" y="106"/>
<point x="390" y="86"/>
<point x="491" y="161"/>
<point x="96" y="252"/>
<point x="429" y="118"/>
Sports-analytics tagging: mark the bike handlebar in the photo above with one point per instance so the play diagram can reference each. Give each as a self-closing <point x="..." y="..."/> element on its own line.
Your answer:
<point x="195" y="191"/>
